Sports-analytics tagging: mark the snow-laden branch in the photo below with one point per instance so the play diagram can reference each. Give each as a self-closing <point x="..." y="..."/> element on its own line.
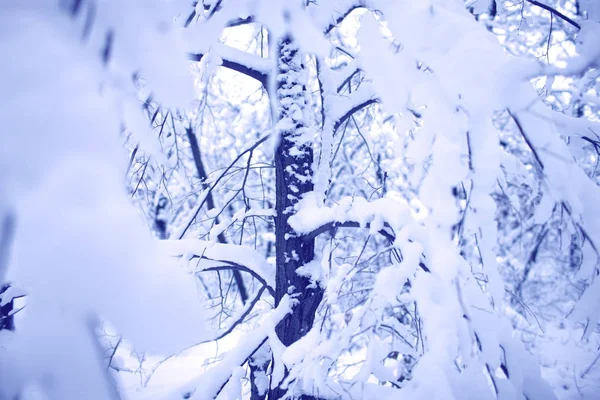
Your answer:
<point x="311" y="217"/>
<point x="210" y="384"/>
<point x="250" y="65"/>
<point x="337" y="12"/>
<point x="573" y="189"/>
<point x="195" y="147"/>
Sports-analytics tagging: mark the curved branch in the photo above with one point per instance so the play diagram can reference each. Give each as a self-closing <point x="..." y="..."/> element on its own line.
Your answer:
<point x="351" y="112"/>
<point x="236" y="66"/>
<point x="238" y="267"/>
<point x="342" y="17"/>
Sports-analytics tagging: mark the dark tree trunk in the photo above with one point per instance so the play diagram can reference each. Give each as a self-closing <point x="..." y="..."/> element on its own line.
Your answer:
<point x="293" y="170"/>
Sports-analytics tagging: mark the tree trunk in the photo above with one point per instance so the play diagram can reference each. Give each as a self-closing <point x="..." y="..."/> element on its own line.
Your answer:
<point x="293" y="174"/>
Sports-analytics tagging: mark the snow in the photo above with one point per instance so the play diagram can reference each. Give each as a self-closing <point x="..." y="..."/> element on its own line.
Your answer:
<point x="592" y="8"/>
<point x="480" y="6"/>
<point x="311" y="216"/>
<point x="13" y="292"/>
<point x="50" y="356"/>
<point x="376" y="58"/>
<point x="81" y="250"/>
<point x="209" y="384"/>
<point x="104" y="265"/>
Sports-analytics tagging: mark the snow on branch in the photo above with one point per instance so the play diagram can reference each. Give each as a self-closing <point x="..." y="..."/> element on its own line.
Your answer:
<point x="338" y="15"/>
<point x="209" y="385"/>
<point x="571" y="187"/>
<point x="378" y="215"/>
<point x="252" y="66"/>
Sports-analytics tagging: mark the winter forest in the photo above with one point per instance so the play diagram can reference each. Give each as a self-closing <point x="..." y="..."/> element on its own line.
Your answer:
<point x="299" y="199"/>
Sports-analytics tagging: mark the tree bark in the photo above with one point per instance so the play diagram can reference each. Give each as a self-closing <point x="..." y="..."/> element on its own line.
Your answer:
<point x="293" y="177"/>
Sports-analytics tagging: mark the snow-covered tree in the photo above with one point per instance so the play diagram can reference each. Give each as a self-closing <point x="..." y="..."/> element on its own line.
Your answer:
<point x="372" y="199"/>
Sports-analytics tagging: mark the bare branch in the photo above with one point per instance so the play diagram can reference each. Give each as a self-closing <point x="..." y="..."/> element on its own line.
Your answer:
<point x="234" y="266"/>
<point x="239" y="320"/>
<point x="249" y="149"/>
<point x="554" y="12"/>
<point x="202" y="175"/>
<point x="391" y="237"/>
